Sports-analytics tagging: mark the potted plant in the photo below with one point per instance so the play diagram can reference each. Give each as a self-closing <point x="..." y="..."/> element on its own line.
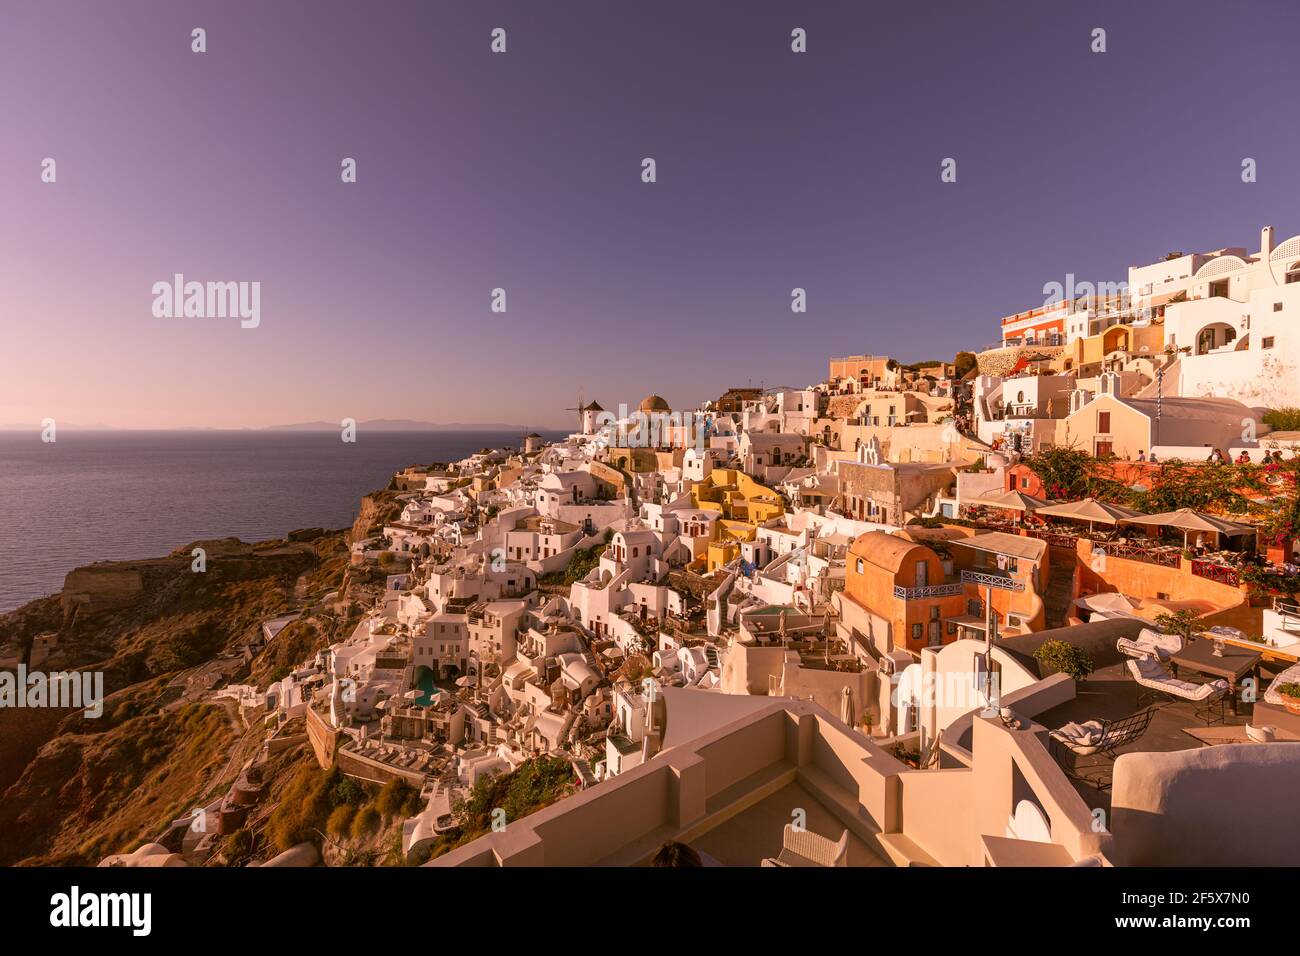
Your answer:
<point x="1290" y="694"/>
<point x="1184" y="623"/>
<point x="1062" y="657"/>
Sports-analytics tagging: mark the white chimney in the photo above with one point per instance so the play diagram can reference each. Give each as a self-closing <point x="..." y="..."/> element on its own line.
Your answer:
<point x="1265" y="241"/>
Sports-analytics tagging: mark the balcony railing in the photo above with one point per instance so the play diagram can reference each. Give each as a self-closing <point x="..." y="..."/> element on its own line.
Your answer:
<point x="928" y="591"/>
<point x="1165" y="558"/>
<point x="991" y="579"/>
<point x="1057" y="539"/>
<point x="1216" y="572"/>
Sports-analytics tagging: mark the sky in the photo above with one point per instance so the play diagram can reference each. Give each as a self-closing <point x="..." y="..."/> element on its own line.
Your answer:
<point x="522" y="171"/>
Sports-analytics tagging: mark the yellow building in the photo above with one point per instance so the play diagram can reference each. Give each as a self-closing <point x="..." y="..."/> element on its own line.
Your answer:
<point x="737" y="497"/>
<point x="725" y="547"/>
<point x="742" y="502"/>
<point x="1088" y="354"/>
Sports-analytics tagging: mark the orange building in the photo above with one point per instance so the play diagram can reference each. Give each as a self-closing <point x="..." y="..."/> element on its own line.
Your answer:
<point x="909" y="586"/>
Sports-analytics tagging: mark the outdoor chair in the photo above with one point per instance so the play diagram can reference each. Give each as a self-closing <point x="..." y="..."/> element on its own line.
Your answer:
<point x="1148" y="643"/>
<point x="805" y="848"/>
<point x="1158" y="684"/>
<point x="1096" y="737"/>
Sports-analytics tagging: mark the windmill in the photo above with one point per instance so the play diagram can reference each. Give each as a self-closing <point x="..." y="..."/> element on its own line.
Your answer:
<point x="582" y="406"/>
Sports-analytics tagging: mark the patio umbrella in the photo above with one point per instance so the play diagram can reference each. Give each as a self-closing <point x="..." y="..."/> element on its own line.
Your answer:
<point x="1108" y="604"/>
<point x="847" y="710"/>
<point x="1187" y="520"/>
<point x="1090" y="510"/>
<point x="1011" y="501"/>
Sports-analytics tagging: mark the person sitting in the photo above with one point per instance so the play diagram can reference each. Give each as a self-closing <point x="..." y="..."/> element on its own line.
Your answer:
<point x="1142" y="455"/>
<point x="1243" y="458"/>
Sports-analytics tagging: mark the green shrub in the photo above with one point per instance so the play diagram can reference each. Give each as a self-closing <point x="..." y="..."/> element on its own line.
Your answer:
<point x="304" y="808"/>
<point x="398" y="798"/>
<point x="340" y="821"/>
<point x="365" y="823"/>
<point x="1285" y="419"/>
<point x="238" y="847"/>
<point x="1185" y="623"/>
<point x="1065" y="658"/>
<point x="347" y="791"/>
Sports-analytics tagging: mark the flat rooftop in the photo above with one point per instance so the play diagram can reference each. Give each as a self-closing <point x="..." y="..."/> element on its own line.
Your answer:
<point x="1110" y="693"/>
<point x="756" y="833"/>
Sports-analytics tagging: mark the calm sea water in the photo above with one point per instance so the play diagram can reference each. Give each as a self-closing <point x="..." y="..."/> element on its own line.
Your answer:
<point x="92" y="496"/>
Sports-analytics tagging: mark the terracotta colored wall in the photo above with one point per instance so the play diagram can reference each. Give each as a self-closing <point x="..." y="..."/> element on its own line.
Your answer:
<point x="1142" y="580"/>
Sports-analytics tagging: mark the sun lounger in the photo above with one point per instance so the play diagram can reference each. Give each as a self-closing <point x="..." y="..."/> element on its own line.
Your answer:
<point x="1148" y="643"/>
<point x="1151" y="674"/>
<point x="1097" y="737"/>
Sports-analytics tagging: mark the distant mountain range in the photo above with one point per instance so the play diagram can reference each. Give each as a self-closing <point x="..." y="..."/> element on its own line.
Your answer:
<point x="373" y="425"/>
<point x="397" y="425"/>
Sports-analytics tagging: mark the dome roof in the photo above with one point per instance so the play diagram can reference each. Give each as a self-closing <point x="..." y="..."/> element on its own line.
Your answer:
<point x="884" y="550"/>
<point x="653" y="403"/>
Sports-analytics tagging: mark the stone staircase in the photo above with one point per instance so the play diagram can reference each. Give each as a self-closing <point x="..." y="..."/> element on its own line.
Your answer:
<point x="1060" y="587"/>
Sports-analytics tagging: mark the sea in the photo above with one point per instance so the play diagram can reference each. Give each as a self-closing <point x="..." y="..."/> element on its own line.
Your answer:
<point x="121" y="495"/>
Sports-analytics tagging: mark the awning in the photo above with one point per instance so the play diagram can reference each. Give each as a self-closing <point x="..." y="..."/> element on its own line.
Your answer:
<point x="1090" y="510"/>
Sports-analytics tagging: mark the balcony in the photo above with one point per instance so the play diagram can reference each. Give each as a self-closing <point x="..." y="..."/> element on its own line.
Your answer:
<point x="992" y="579"/>
<point x="948" y="589"/>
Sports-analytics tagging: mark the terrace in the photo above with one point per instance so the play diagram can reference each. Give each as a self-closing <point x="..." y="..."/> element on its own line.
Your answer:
<point x="1111" y="694"/>
<point x="1165" y="549"/>
<point x="728" y="793"/>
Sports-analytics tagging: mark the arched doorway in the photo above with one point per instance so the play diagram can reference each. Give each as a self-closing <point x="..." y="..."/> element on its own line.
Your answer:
<point x="1114" y="340"/>
<point x="1213" y="336"/>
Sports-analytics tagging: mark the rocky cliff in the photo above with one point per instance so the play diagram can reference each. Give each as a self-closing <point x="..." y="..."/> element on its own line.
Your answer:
<point x="163" y="633"/>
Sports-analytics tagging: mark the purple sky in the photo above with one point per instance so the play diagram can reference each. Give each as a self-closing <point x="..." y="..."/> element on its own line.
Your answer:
<point x="522" y="170"/>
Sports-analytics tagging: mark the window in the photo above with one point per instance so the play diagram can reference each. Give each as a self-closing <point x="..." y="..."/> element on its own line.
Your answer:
<point x="1266" y="342"/>
<point x="918" y="631"/>
<point x="934" y="614"/>
<point x="859" y="566"/>
<point x="1103" y="422"/>
<point x="1277" y="306"/>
